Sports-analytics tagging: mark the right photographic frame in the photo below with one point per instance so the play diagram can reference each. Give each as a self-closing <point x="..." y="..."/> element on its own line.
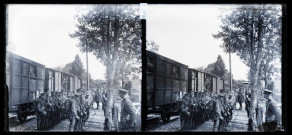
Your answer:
<point x="214" y="68"/>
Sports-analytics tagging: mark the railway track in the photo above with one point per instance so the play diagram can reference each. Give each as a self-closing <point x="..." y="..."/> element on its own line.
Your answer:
<point x="154" y="123"/>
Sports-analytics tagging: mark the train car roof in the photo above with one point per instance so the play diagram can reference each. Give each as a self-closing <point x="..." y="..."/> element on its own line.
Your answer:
<point x="165" y="58"/>
<point x="25" y="59"/>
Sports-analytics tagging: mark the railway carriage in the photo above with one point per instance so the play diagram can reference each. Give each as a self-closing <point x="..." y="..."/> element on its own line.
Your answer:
<point x="26" y="79"/>
<point x="168" y="80"/>
<point x="166" y="83"/>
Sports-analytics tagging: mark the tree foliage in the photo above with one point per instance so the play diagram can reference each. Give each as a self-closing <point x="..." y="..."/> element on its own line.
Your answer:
<point x="111" y="33"/>
<point x="253" y="32"/>
<point x="75" y="68"/>
<point x="152" y="46"/>
<point x="217" y="68"/>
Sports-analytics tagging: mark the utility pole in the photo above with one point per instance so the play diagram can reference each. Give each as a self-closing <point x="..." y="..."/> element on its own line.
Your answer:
<point x="87" y="67"/>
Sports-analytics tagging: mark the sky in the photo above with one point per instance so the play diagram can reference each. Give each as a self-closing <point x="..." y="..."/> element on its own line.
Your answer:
<point x="41" y="33"/>
<point x="184" y="33"/>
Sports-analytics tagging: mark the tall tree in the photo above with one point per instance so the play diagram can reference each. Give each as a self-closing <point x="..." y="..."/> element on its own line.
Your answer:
<point x="217" y="68"/>
<point x="112" y="33"/>
<point x="249" y="31"/>
<point x="76" y="67"/>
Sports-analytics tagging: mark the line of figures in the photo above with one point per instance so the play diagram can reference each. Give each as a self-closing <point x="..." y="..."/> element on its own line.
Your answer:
<point x="198" y="107"/>
<point x="76" y="107"/>
<point x="59" y="106"/>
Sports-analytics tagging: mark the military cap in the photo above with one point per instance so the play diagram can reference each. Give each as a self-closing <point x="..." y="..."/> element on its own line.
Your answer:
<point x="267" y="91"/>
<point x="123" y="91"/>
<point x="43" y="94"/>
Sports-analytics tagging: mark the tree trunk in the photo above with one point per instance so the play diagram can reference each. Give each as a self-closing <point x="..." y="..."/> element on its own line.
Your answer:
<point x="254" y="74"/>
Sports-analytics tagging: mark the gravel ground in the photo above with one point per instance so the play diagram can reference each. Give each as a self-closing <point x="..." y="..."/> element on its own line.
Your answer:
<point x="28" y="126"/>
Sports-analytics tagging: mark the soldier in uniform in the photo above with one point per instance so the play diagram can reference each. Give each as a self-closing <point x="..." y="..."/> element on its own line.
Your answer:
<point x="41" y="113"/>
<point x="218" y="118"/>
<point x="104" y="99"/>
<point x="247" y="101"/>
<point x="240" y="98"/>
<point x="73" y="115"/>
<point x="261" y="113"/>
<point x="127" y="109"/>
<point x="273" y="113"/>
<point x="185" y="112"/>
<point x="50" y="109"/>
<point x="97" y="98"/>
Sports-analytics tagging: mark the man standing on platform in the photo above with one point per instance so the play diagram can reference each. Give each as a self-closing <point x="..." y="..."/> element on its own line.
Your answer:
<point x="127" y="109"/>
<point x="273" y="113"/>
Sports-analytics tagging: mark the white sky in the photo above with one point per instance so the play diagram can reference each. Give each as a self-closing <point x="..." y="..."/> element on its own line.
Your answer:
<point x="41" y="33"/>
<point x="184" y="33"/>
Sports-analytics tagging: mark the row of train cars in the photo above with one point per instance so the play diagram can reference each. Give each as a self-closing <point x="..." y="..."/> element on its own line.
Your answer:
<point x="26" y="79"/>
<point x="168" y="80"/>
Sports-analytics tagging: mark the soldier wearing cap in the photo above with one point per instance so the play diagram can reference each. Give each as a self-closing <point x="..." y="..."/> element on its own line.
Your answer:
<point x="185" y="112"/>
<point x="240" y="98"/>
<point x="127" y="109"/>
<point x="73" y="115"/>
<point x="261" y="113"/>
<point x="273" y="113"/>
<point x="41" y="113"/>
<point x="219" y="110"/>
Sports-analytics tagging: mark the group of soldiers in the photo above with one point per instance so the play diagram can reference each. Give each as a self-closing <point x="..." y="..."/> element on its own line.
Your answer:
<point x="76" y="106"/>
<point x="198" y="107"/>
<point x="59" y="106"/>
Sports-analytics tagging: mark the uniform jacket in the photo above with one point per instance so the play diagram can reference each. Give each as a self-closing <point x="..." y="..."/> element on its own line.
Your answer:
<point x="273" y="113"/>
<point x="128" y="108"/>
<point x="40" y="106"/>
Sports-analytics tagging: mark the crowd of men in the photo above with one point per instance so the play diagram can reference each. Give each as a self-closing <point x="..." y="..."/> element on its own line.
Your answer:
<point x="76" y="106"/>
<point x="59" y="106"/>
<point x="198" y="107"/>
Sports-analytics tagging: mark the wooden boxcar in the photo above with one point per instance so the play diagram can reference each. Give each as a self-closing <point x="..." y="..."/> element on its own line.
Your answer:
<point x="200" y="81"/>
<point x="59" y="81"/>
<point x="166" y="83"/>
<point x="25" y="81"/>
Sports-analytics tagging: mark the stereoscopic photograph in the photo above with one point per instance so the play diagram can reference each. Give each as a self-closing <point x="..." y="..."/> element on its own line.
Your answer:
<point x="73" y="68"/>
<point x="209" y="68"/>
<point x="214" y="68"/>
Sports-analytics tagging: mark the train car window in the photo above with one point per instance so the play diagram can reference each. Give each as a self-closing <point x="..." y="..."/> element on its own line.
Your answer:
<point x="176" y="71"/>
<point x="32" y="71"/>
<point x="183" y="73"/>
<point x="169" y="69"/>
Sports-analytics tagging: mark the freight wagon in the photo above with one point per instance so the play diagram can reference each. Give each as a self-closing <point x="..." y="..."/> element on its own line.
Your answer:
<point x="166" y="84"/>
<point x="168" y="80"/>
<point x="26" y="79"/>
<point x="199" y="81"/>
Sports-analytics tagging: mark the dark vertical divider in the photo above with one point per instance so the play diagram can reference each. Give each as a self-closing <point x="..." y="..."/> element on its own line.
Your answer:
<point x="144" y="79"/>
